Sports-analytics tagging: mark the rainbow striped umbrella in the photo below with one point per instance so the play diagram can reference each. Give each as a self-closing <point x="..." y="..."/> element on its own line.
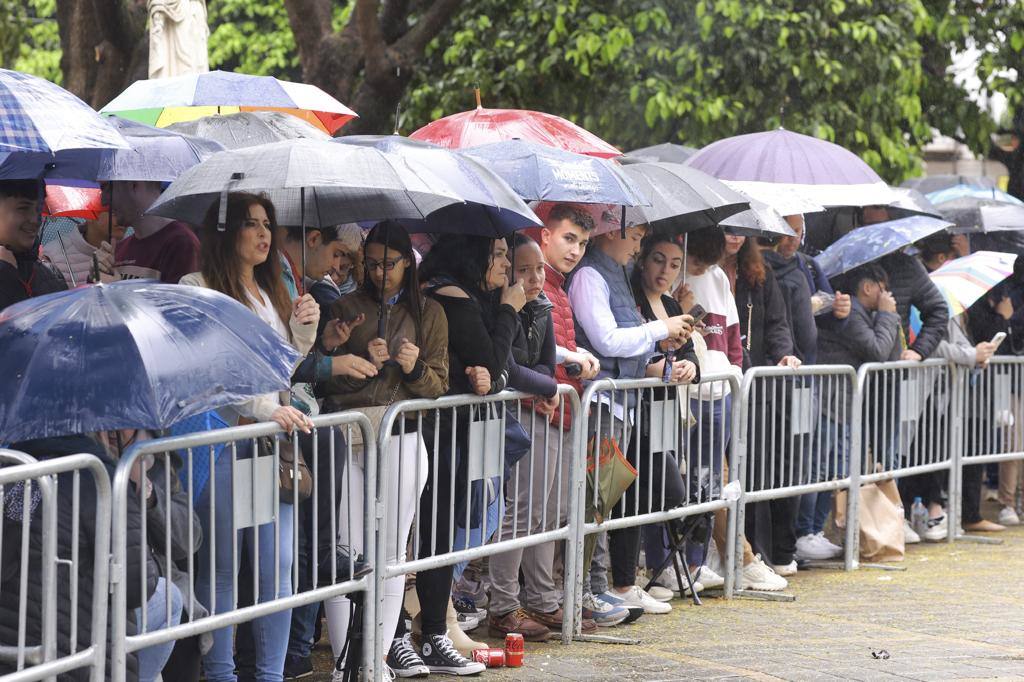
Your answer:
<point x="162" y="101"/>
<point x="964" y="280"/>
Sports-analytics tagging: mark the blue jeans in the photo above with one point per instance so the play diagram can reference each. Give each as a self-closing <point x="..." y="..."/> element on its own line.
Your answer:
<point x="814" y="507"/>
<point x="153" y="658"/>
<point x="270" y="633"/>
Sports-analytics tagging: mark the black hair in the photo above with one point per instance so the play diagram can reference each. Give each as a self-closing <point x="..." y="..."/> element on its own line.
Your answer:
<point x="329" y="233"/>
<point x="706" y="244"/>
<point x="19" y="189"/>
<point x="392" y="235"/>
<point x="464" y="258"/>
<point x="938" y="244"/>
<point x="573" y="214"/>
<point x="851" y="281"/>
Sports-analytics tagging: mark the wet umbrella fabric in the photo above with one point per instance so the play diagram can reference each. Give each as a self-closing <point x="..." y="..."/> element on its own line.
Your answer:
<point x="668" y="152"/>
<point x="871" y="242"/>
<point x="133" y="354"/>
<point x="760" y="220"/>
<point x="682" y="198"/>
<point x="542" y="173"/>
<point x="973" y="214"/>
<point x="40" y="122"/>
<point x="823" y="172"/>
<point x="484" y="126"/>
<point x="934" y="183"/>
<point x="964" y="280"/>
<point x="249" y="129"/>
<point x="163" y="101"/>
<point x="961" y="191"/>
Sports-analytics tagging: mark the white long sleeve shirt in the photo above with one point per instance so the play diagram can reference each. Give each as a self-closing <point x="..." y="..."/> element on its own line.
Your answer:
<point x="590" y="299"/>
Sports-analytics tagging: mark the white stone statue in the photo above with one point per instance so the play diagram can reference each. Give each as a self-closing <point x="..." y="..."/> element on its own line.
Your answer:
<point x="177" y="38"/>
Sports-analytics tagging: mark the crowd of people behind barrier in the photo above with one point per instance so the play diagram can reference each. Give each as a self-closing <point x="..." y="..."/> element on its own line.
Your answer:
<point x="579" y="299"/>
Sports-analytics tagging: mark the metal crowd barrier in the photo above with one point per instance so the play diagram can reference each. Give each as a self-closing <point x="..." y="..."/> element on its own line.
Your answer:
<point x="496" y="477"/>
<point x="657" y="427"/>
<point x="221" y="491"/>
<point x="991" y="429"/>
<point x="909" y="410"/>
<point x="51" y="565"/>
<point x="799" y="430"/>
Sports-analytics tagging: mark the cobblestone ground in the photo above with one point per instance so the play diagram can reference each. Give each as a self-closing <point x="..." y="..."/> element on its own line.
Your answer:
<point x="956" y="612"/>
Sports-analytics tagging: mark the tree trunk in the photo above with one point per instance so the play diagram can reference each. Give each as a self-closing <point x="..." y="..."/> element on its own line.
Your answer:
<point x="104" y="46"/>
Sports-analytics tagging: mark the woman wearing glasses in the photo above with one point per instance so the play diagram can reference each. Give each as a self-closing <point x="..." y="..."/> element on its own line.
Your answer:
<point x="410" y="360"/>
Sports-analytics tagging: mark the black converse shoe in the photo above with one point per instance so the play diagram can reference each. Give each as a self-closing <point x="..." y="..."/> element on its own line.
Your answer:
<point x="441" y="657"/>
<point x="404" y="660"/>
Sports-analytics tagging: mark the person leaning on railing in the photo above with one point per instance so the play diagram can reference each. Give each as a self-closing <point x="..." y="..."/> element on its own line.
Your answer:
<point x="409" y="362"/>
<point x="239" y="259"/>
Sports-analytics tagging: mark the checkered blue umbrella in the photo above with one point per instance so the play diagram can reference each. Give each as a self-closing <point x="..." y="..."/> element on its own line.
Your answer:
<point x="40" y="122"/>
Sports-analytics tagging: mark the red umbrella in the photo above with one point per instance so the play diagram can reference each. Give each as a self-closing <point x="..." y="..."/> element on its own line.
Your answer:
<point x="73" y="202"/>
<point x="483" y="126"/>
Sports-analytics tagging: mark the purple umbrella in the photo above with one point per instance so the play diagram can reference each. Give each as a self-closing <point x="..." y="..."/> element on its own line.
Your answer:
<point x="821" y="171"/>
<point x="785" y="157"/>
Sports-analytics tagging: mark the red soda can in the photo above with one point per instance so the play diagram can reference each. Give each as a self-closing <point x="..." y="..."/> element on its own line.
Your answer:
<point x="492" y="658"/>
<point x="515" y="647"/>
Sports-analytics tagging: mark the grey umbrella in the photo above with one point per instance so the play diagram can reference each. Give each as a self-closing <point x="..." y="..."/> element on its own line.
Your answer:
<point x="250" y="128"/>
<point x="682" y="198"/>
<point x="667" y="151"/>
<point x="760" y="220"/>
<point x="974" y="214"/>
<point x="934" y="183"/>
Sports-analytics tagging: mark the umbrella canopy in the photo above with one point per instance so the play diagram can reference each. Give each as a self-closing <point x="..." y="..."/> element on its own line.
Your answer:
<point x="760" y="220"/>
<point x="40" y="123"/>
<point x="871" y="242"/>
<point x="488" y="198"/>
<point x="964" y="280"/>
<point x="133" y="354"/>
<point x="541" y="173"/>
<point x="911" y="202"/>
<point x="667" y="151"/>
<point x="80" y="200"/>
<point x="934" y="183"/>
<point x="330" y="183"/>
<point x="682" y="198"/>
<point x="484" y="126"/>
<point x="973" y="191"/>
<point x="972" y="214"/>
<point x="156" y="155"/>
<point x="250" y="128"/>
<point x="823" y="172"/>
<point x="163" y="101"/>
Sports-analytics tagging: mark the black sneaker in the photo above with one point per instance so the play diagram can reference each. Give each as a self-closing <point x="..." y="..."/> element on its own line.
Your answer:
<point x="441" y="657"/>
<point x="403" y="659"/>
<point x="297" y="667"/>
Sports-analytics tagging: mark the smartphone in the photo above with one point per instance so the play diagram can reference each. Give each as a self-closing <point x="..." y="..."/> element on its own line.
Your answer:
<point x="998" y="339"/>
<point x="698" y="313"/>
<point x="573" y="369"/>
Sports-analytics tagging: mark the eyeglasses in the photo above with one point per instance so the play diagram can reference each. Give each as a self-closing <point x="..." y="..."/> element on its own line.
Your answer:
<point x="385" y="265"/>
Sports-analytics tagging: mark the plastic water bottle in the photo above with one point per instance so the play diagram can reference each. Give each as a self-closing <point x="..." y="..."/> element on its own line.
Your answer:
<point x="918" y="516"/>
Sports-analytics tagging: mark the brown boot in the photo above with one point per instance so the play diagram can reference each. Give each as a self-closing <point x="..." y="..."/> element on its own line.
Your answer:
<point x="553" y="621"/>
<point x="521" y="622"/>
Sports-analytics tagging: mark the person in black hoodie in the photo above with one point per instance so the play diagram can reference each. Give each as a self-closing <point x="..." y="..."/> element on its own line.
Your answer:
<point x="22" y="275"/>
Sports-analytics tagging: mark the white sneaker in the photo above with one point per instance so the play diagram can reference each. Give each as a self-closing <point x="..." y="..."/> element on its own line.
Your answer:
<point x="709" y="578"/>
<point x="910" y="536"/>
<point x="667" y="580"/>
<point x="809" y="548"/>
<point x="759" y="576"/>
<point x="1008" y="517"/>
<point x="659" y="593"/>
<point x="836" y="550"/>
<point x="937" y="530"/>
<point x="786" y="569"/>
<point x="635" y="596"/>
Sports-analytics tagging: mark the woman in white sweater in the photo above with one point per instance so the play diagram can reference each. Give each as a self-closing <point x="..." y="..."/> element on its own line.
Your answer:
<point x="240" y="260"/>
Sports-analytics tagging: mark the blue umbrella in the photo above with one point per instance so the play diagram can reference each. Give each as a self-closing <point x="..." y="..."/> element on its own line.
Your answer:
<point x="133" y="354"/>
<point x="538" y="172"/>
<point x="39" y="119"/>
<point x="975" y="191"/>
<point x="489" y="205"/>
<point x="156" y="154"/>
<point x="871" y="242"/>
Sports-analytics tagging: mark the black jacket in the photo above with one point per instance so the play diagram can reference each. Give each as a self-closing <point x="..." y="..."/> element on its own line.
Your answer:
<point x="10" y="560"/>
<point x="532" y="366"/>
<point x="30" y="278"/>
<point x="764" y="324"/>
<point x="796" y="293"/>
<point x="911" y="286"/>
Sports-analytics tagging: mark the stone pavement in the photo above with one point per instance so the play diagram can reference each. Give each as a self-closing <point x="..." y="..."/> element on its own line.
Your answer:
<point x="957" y="612"/>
